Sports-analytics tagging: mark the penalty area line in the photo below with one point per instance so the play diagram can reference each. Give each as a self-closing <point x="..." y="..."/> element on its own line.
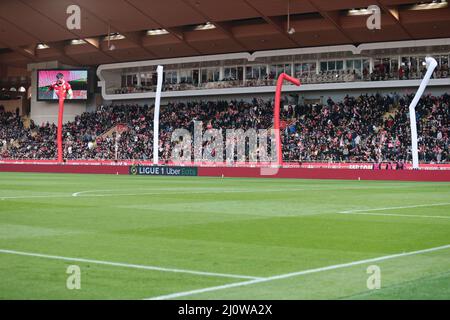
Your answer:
<point x="127" y="265"/>
<point x="295" y="274"/>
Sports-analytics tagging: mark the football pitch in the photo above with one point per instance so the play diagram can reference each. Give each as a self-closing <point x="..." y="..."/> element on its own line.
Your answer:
<point x="136" y="237"/>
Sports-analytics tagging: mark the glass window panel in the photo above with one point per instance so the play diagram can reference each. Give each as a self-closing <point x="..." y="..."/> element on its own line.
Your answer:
<point x="263" y="71"/>
<point x="366" y="63"/>
<point x="331" y="65"/>
<point x="287" y="68"/>
<point x="394" y="65"/>
<point x="414" y="63"/>
<point x="421" y="62"/>
<point x="249" y="73"/>
<point x="349" y="64"/>
<point x="204" y="75"/>
<point x="305" y="67"/>
<point x="256" y="72"/>
<point x="233" y="73"/>
<point x="273" y="69"/>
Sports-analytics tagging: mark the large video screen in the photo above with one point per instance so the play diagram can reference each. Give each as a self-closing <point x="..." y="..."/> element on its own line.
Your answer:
<point x="47" y="79"/>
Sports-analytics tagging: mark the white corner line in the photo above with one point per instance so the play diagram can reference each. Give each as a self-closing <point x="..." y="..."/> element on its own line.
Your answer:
<point x="394" y="215"/>
<point x="128" y="265"/>
<point x="395" y="208"/>
<point x="294" y="274"/>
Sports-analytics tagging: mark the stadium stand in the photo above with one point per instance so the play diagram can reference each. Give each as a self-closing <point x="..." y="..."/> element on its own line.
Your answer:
<point x="366" y="128"/>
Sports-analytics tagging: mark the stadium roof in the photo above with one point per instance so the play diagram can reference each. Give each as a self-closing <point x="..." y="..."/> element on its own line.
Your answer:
<point x="35" y="30"/>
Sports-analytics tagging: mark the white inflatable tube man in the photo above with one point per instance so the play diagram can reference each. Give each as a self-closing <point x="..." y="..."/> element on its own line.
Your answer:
<point x="431" y="65"/>
<point x="159" y="71"/>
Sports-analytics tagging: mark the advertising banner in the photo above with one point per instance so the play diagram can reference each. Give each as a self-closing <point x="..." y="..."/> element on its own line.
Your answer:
<point x="163" y="171"/>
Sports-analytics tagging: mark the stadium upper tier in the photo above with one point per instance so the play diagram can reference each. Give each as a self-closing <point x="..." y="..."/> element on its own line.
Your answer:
<point x="366" y="128"/>
<point x="376" y="65"/>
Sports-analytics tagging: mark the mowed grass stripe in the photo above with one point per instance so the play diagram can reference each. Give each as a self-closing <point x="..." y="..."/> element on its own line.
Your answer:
<point x="259" y="233"/>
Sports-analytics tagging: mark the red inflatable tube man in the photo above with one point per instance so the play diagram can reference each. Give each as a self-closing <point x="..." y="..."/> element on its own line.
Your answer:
<point x="63" y="90"/>
<point x="276" y="112"/>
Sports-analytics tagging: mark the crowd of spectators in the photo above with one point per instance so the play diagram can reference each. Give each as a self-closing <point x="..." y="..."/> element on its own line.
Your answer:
<point x="18" y="142"/>
<point x="368" y="128"/>
<point x="362" y="129"/>
<point x="381" y="72"/>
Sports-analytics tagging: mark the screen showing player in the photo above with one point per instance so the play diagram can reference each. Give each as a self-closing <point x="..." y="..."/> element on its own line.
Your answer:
<point x="72" y="83"/>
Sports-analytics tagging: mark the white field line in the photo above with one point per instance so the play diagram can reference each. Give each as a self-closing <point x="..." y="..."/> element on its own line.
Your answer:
<point x="395" y="215"/>
<point x="395" y="208"/>
<point x="127" y="265"/>
<point x="295" y="274"/>
<point x="85" y="194"/>
<point x="158" y="191"/>
<point x="168" y="191"/>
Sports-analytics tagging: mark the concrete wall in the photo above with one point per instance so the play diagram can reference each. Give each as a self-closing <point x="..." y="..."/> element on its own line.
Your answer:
<point x="293" y="173"/>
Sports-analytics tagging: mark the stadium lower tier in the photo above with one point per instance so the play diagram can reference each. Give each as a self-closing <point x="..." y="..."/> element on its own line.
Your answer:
<point x="362" y="129"/>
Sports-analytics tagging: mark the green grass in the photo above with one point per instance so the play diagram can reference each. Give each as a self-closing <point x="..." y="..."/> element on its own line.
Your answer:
<point x="248" y="227"/>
